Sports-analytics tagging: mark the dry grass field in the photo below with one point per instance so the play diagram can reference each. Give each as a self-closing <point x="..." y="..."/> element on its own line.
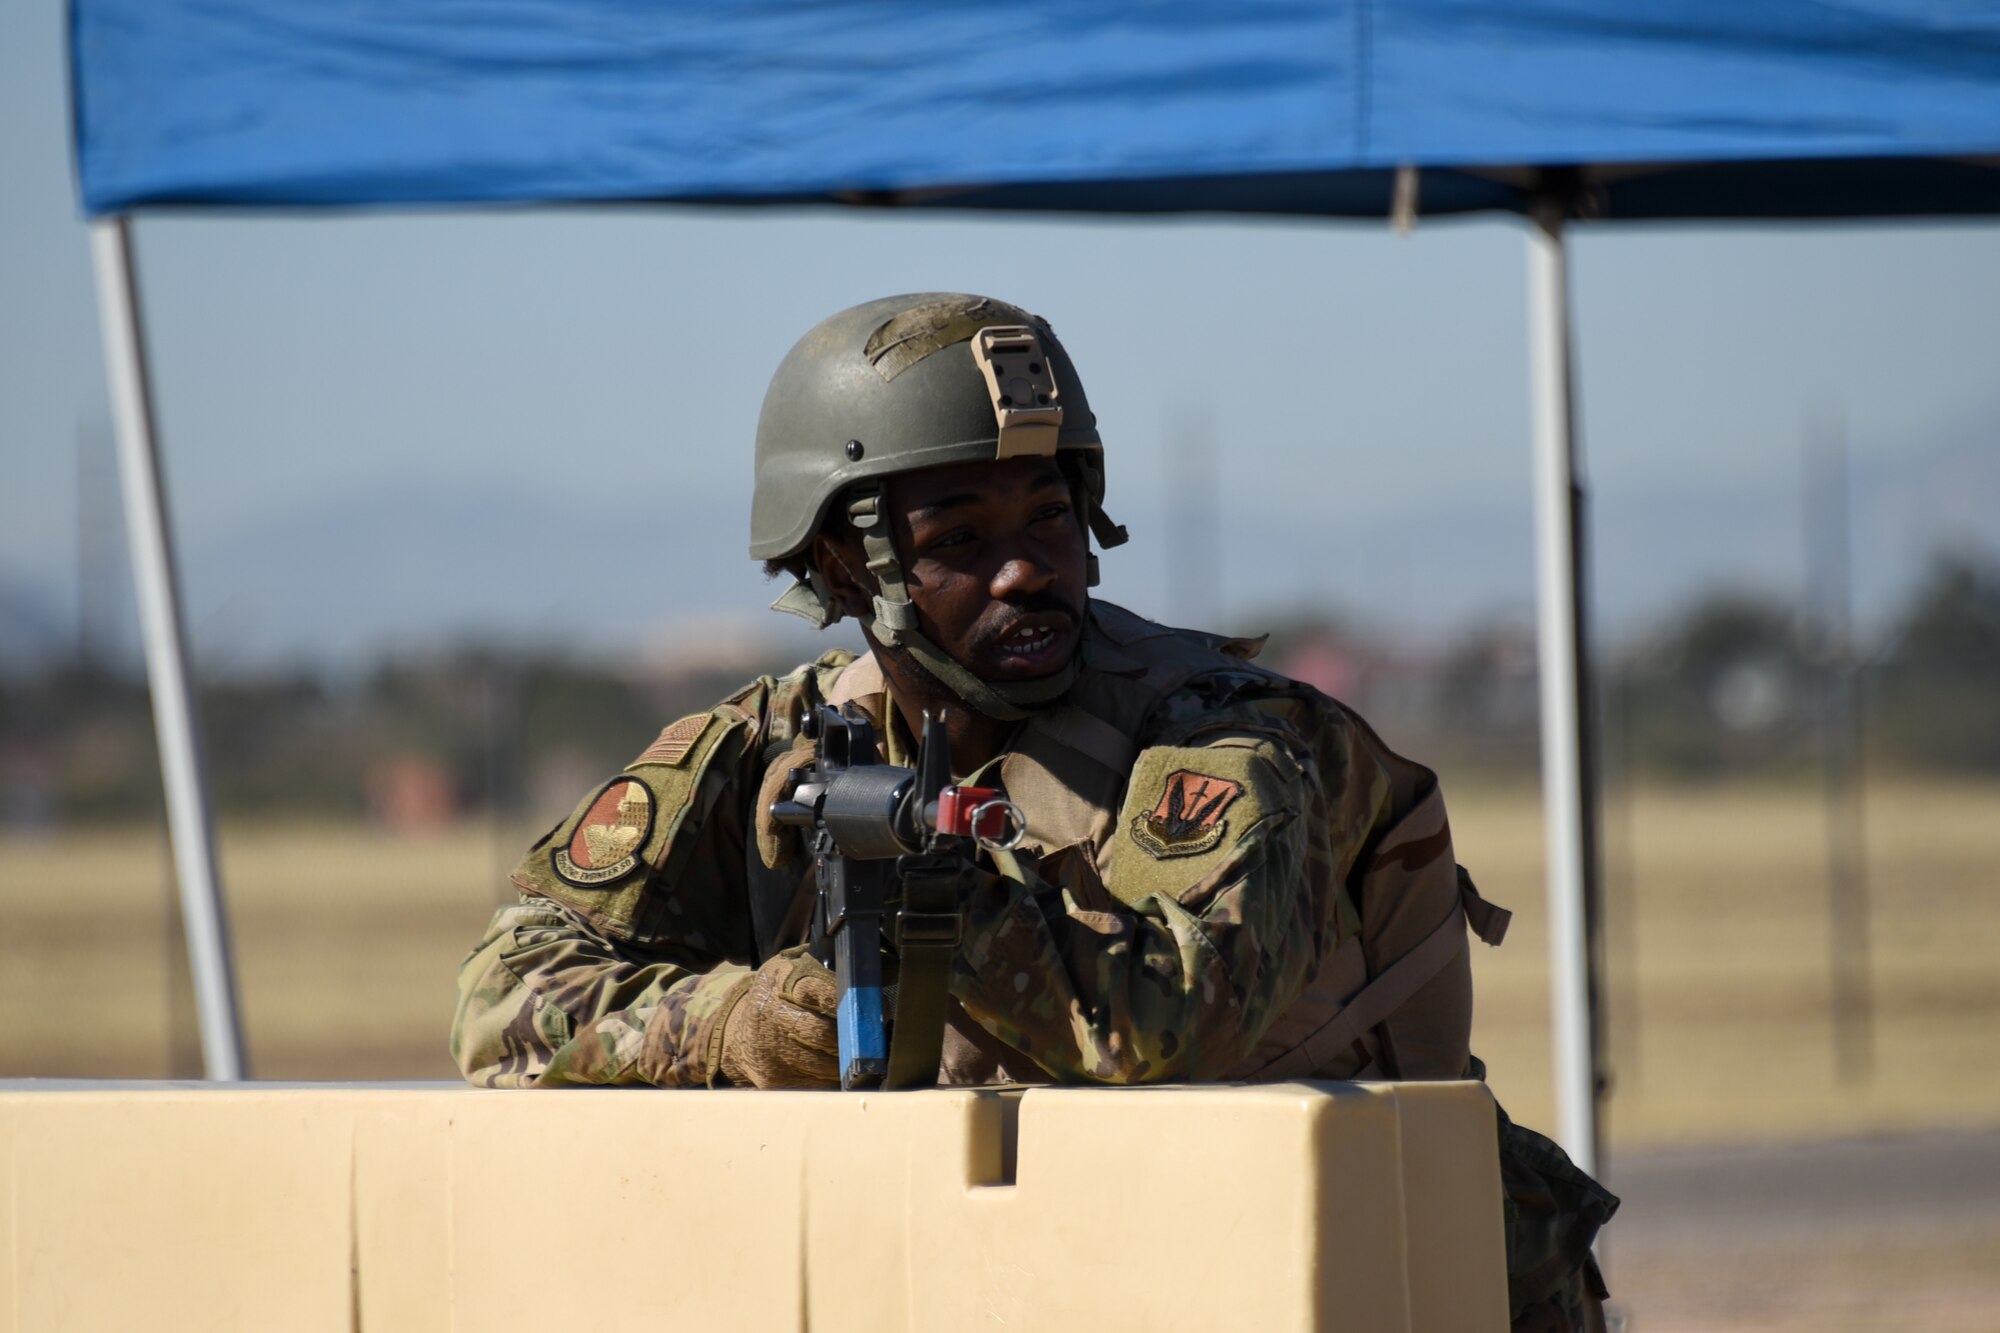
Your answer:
<point x="347" y="941"/>
<point x="1718" y="972"/>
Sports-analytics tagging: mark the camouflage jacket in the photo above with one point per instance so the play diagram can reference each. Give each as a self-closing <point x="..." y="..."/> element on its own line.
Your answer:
<point x="1217" y="860"/>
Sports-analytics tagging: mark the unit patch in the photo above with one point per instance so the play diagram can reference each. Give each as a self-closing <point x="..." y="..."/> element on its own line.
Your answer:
<point x="1187" y="820"/>
<point x="605" y="845"/>
<point x="675" y="742"/>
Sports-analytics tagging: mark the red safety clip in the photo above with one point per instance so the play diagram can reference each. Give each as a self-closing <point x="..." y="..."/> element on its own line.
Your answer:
<point x="958" y="806"/>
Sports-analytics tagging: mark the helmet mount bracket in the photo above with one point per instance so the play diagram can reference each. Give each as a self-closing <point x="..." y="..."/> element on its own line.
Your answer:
<point x="1026" y="400"/>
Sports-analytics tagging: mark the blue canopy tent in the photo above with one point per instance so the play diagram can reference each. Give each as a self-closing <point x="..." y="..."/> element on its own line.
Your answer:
<point x="1553" y="109"/>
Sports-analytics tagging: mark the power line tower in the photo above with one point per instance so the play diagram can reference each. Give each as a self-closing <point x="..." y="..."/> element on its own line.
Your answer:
<point x="1194" y="520"/>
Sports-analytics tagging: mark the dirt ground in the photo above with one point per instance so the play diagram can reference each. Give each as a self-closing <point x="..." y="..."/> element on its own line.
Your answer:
<point x="1849" y="1234"/>
<point x="1717" y="1003"/>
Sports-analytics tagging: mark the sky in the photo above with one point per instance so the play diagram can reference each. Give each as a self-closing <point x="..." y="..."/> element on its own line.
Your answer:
<point x="387" y="430"/>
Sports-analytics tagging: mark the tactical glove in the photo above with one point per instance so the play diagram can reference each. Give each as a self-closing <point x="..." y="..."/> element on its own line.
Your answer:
<point x="777" y="1030"/>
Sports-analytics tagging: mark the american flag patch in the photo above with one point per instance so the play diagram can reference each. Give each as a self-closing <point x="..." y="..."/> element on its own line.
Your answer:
<point x="674" y="743"/>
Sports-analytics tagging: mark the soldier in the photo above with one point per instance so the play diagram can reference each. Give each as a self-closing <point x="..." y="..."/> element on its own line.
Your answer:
<point x="1225" y="874"/>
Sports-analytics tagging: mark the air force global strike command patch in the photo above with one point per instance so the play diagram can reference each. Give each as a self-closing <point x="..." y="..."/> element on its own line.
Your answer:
<point x="1187" y="820"/>
<point x="605" y="846"/>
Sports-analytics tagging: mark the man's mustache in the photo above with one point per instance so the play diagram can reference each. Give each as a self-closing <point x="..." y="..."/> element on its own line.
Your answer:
<point x="1043" y="603"/>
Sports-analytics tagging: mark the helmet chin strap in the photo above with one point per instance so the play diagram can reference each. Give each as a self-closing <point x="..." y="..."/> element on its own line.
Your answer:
<point x="894" y="624"/>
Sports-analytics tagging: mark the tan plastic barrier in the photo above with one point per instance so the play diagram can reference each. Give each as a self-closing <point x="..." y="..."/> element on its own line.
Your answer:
<point x="1294" y="1206"/>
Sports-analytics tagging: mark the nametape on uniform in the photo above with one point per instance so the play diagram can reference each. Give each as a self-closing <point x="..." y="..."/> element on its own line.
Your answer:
<point x="605" y="843"/>
<point x="1187" y="819"/>
<point x="675" y="742"/>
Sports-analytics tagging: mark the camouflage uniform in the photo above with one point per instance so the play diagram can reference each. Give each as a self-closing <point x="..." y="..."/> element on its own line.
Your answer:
<point x="1204" y="837"/>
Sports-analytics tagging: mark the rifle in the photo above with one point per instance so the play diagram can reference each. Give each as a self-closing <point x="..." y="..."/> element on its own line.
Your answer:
<point x="891" y="849"/>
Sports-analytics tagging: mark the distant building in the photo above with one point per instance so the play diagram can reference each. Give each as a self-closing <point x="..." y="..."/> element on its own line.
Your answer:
<point x="411" y="793"/>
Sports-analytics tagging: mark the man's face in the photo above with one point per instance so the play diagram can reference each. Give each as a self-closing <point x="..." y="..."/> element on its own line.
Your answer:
<point x="994" y="556"/>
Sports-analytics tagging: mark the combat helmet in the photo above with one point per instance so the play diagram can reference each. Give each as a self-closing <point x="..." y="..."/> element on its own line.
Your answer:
<point x="900" y="384"/>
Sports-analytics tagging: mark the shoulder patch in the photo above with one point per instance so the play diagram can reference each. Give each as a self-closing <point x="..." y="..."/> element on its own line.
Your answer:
<point x="1191" y="811"/>
<point x="675" y="742"/>
<point x="1187" y="819"/>
<point x="605" y="845"/>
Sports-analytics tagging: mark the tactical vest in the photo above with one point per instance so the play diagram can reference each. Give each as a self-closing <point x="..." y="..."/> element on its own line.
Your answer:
<point x="1393" y="1001"/>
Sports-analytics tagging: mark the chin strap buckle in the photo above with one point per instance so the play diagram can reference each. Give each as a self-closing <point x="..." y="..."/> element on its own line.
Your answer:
<point x="1026" y="401"/>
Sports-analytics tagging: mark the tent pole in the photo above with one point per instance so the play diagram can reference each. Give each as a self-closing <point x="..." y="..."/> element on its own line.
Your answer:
<point x="1565" y="814"/>
<point x="153" y="578"/>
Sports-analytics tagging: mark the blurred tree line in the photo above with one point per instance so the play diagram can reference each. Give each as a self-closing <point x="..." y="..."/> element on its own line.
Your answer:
<point x="416" y="740"/>
<point x="1731" y="686"/>
<point x="1736" y="683"/>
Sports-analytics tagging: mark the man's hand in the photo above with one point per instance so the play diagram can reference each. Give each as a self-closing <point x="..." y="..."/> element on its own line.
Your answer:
<point x="779" y="1029"/>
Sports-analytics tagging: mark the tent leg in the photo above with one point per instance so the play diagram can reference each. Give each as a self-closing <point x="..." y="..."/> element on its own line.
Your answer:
<point x="153" y="577"/>
<point x="1566" y="814"/>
